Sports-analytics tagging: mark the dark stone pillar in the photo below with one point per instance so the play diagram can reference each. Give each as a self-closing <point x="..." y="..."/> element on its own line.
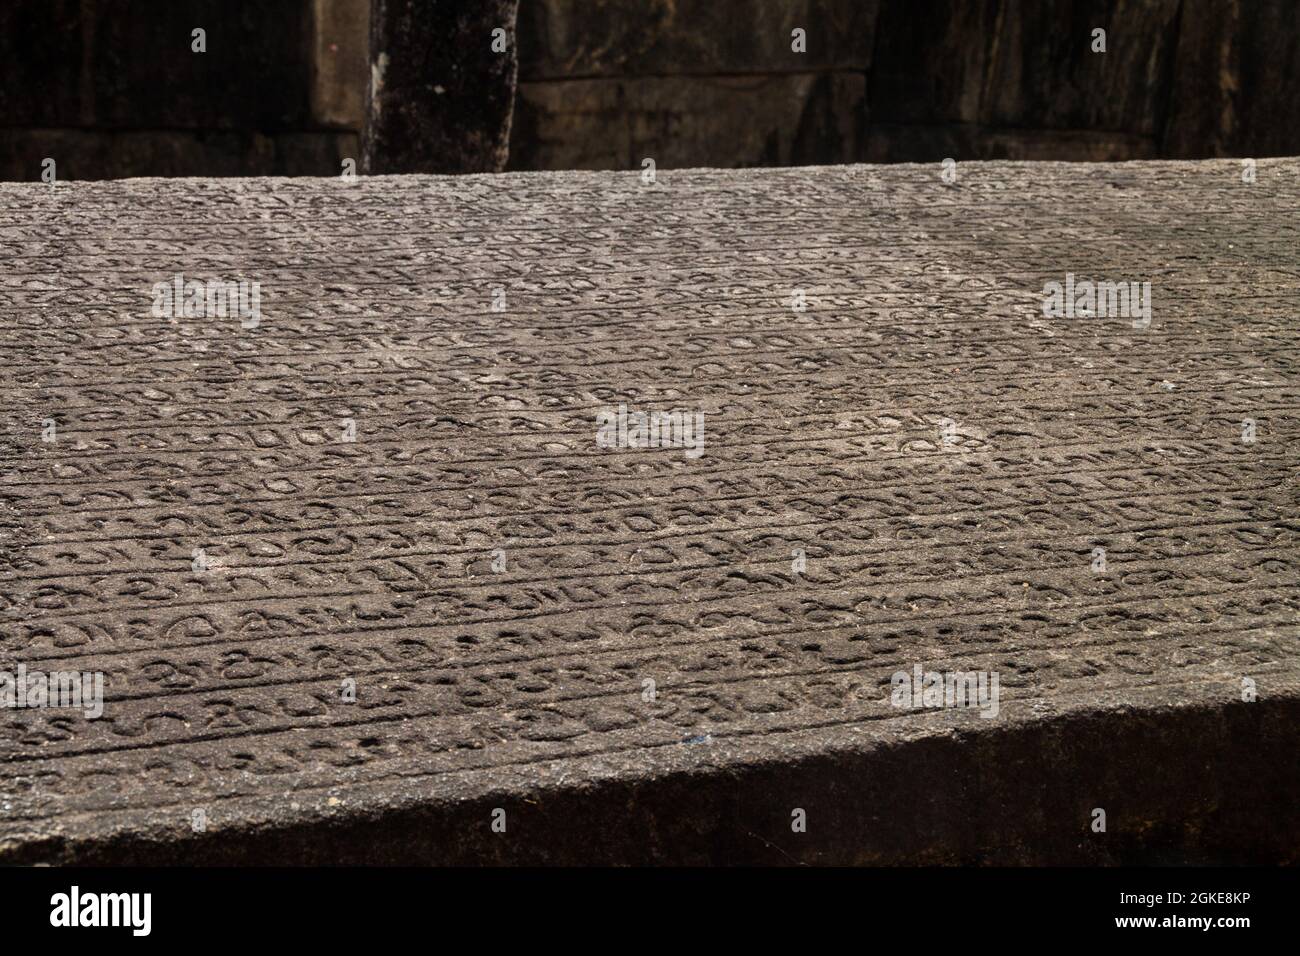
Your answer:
<point x="439" y="97"/>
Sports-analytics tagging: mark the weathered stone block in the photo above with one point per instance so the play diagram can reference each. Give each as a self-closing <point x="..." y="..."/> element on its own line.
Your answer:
<point x="1235" y="82"/>
<point x="442" y="85"/>
<point x="1044" y="75"/>
<point x="761" y="120"/>
<point x="896" y="143"/>
<point x="340" y="62"/>
<point x="621" y="38"/>
<point x="115" y="154"/>
<point x="932" y="59"/>
<point x="363" y="582"/>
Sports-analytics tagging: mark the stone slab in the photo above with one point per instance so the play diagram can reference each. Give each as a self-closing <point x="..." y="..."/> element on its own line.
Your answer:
<point x="619" y="648"/>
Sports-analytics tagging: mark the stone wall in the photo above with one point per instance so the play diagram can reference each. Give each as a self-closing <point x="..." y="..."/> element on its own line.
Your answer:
<point x="112" y="89"/>
<point x="613" y="81"/>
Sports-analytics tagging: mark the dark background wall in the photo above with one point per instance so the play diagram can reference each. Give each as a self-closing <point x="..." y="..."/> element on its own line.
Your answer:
<point x="110" y="88"/>
<point x="606" y="82"/>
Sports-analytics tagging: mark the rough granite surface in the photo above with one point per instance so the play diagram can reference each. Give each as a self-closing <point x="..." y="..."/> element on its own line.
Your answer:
<point x="638" y="654"/>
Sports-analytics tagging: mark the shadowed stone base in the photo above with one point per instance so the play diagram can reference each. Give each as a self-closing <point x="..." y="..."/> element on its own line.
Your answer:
<point x="440" y="95"/>
<point x="633" y="654"/>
